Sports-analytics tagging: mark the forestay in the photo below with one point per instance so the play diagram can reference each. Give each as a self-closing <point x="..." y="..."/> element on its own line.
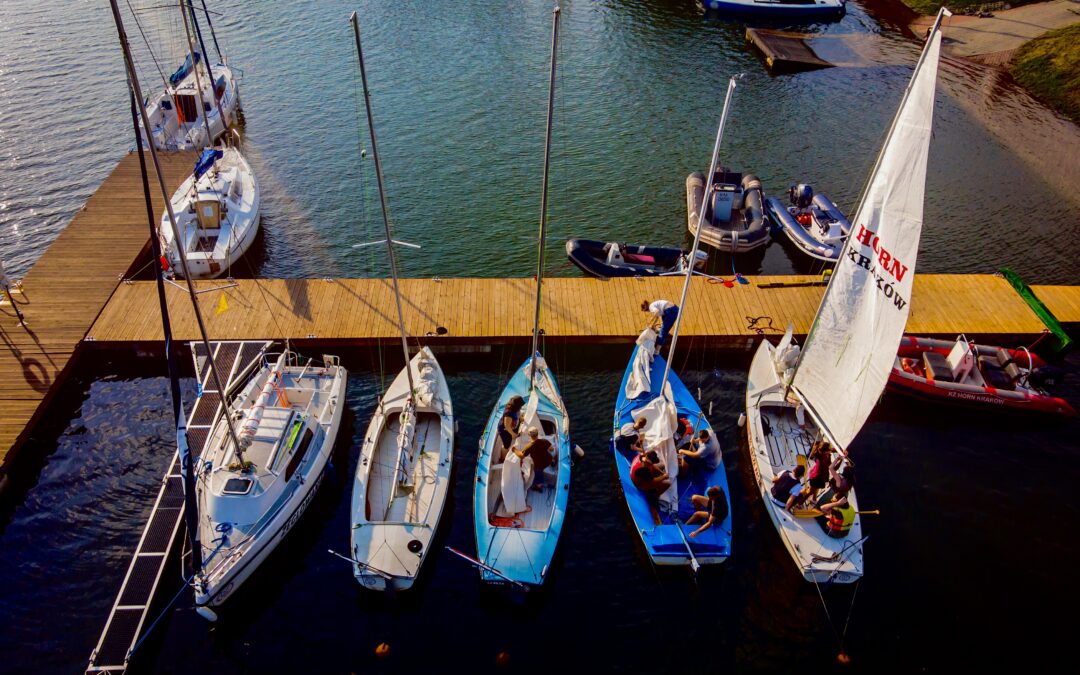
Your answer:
<point x="853" y="341"/>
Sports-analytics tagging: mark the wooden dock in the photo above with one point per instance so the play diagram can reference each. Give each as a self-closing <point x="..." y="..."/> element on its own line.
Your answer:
<point x="783" y="51"/>
<point x="73" y="299"/>
<point x="361" y="312"/>
<point x="67" y="288"/>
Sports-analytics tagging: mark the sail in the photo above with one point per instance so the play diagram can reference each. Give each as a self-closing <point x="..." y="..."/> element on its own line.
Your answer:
<point x="852" y="344"/>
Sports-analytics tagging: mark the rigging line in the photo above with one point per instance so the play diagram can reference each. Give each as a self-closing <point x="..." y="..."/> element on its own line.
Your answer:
<point x="198" y="81"/>
<point x="212" y="33"/>
<point x="153" y="58"/>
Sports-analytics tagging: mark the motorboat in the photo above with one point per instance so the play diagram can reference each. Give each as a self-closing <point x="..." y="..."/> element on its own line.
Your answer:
<point x="812" y="222"/>
<point x="735" y="221"/>
<point x="802" y="10"/>
<point x="982" y="376"/>
<point x="613" y="259"/>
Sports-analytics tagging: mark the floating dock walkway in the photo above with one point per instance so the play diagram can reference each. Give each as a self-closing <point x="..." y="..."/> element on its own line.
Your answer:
<point x="74" y="300"/>
<point x="785" y="52"/>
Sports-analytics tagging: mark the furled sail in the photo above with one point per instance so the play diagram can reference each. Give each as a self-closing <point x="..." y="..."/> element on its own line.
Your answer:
<point x="852" y="344"/>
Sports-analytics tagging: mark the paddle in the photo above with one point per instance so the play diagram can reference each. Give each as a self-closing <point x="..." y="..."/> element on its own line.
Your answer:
<point x="489" y="568"/>
<point x="817" y="513"/>
<point x="694" y="564"/>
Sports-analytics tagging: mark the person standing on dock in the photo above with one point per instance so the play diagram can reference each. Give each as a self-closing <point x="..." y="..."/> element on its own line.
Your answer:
<point x="666" y="312"/>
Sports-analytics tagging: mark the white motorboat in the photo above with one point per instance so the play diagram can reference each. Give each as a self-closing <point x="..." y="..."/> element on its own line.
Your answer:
<point x="217" y="215"/>
<point x="402" y="477"/>
<point x="828" y="389"/>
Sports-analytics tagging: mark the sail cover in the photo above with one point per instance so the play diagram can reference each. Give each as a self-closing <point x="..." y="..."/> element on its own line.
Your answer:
<point x="853" y="341"/>
<point x="184" y="70"/>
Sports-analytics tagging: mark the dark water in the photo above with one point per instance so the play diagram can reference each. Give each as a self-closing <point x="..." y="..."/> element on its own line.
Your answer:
<point x="973" y="547"/>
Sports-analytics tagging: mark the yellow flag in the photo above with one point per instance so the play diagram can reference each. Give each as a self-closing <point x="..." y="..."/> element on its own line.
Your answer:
<point x="222" y="305"/>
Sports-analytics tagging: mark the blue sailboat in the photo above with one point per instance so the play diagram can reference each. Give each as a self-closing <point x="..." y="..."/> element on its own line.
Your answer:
<point x="523" y="478"/>
<point x="667" y="541"/>
<point x="653" y="394"/>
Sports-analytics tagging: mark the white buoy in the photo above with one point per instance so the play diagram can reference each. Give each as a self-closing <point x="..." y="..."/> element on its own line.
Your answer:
<point x="206" y="613"/>
<point x="742" y="420"/>
<point x="578" y="452"/>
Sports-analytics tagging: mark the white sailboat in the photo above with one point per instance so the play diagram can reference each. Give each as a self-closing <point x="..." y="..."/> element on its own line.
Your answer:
<point x="217" y="215"/>
<point x="403" y="474"/>
<point x="198" y="103"/>
<point x="829" y="388"/>
<point x="518" y="510"/>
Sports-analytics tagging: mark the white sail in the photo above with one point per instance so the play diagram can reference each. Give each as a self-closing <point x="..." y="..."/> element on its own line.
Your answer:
<point x="852" y="344"/>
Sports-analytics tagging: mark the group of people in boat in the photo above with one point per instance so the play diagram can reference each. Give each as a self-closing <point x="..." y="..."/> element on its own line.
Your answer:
<point x="696" y="452"/>
<point x="829" y="482"/>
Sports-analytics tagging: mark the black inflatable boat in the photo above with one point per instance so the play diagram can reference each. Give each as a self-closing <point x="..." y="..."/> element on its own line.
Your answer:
<point x="612" y="259"/>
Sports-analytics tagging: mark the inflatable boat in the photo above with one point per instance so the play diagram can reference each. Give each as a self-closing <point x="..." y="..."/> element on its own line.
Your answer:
<point x="612" y="259"/>
<point x="812" y="222"/>
<point x="810" y="10"/>
<point x="734" y="219"/>
<point x="981" y="376"/>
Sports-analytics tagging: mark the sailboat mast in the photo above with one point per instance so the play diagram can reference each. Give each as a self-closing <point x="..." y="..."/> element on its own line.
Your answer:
<point x="198" y="78"/>
<point x="697" y="231"/>
<point x="382" y="198"/>
<point x="187" y="464"/>
<point x="213" y="35"/>
<point x="166" y="197"/>
<point x="209" y="72"/>
<point x="544" y="194"/>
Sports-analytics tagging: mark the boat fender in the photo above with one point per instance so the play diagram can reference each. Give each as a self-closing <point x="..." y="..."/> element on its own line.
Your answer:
<point x="206" y="613"/>
<point x="578" y="452"/>
<point x="742" y="420"/>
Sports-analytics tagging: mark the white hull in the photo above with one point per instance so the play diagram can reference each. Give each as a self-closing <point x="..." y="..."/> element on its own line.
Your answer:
<point x="393" y="524"/>
<point x="819" y="557"/>
<point x="213" y="246"/>
<point x="286" y="474"/>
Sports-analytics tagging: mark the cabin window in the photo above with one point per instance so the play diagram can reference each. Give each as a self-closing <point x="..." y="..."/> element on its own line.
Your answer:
<point x="237" y="486"/>
<point x="298" y="455"/>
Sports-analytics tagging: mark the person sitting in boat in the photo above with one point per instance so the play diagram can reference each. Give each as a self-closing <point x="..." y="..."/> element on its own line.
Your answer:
<point x="540" y="450"/>
<point x="711" y="507"/>
<point x="629" y="438"/>
<point x="684" y="432"/>
<point x="704" y="454"/>
<point x="840" y="520"/>
<point x="787" y="487"/>
<point x="664" y="310"/>
<point x="508" y="425"/>
<point x="820" y="454"/>
<point x="841" y="482"/>
<point x="648" y="475"/>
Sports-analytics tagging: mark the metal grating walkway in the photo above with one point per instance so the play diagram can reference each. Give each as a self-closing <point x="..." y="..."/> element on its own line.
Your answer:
<point x="235" y="362"/>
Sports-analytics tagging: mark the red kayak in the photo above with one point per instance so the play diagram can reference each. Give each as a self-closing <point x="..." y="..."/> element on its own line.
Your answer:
<point x="982" y="376"/>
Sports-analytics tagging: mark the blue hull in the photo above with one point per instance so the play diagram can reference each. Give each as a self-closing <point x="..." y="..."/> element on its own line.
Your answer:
<point x="806" y="11"/>
<point x="522" y="555"/>
<point x="663" y="542"/>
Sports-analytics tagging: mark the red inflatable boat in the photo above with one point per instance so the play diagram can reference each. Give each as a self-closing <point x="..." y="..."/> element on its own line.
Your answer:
<point x="981" y="376"/>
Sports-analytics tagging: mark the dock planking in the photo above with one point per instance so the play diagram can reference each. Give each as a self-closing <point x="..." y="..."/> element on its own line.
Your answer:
<point x="785" y="52"/>
<point x="66" y="289"/>
<point x="361" y="312"/>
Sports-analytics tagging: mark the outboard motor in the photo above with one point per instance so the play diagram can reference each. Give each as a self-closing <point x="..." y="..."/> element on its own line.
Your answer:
<point x="801" y="195"/>
<point x="1046" y="376"/>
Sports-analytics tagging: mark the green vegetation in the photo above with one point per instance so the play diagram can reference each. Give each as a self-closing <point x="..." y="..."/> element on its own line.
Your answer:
<point x="961" y="6"/>
<point x="1049" y="67"/>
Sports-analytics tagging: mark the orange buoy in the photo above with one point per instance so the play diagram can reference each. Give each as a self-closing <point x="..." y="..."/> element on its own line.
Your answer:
<point x="502" y="659"/>
<point x="383" y="650"/>
<point x="843" y="659"/>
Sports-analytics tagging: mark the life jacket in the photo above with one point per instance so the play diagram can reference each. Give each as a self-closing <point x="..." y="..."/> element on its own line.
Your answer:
<point x="841" y="518"/>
